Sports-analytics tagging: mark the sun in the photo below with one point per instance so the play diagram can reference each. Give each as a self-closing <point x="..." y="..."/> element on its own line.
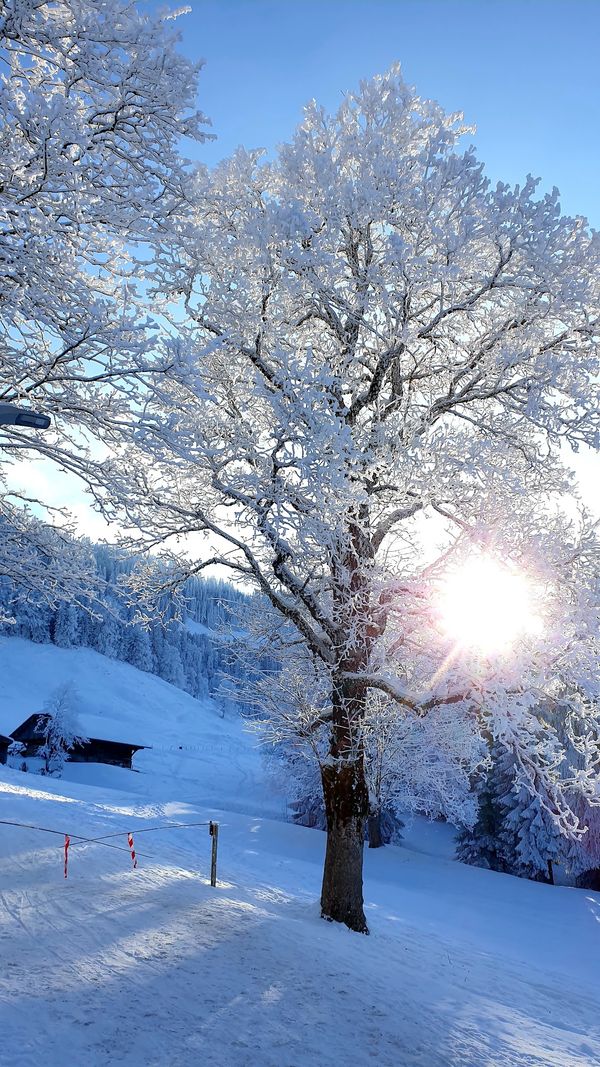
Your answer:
<point x="486" y="605"/>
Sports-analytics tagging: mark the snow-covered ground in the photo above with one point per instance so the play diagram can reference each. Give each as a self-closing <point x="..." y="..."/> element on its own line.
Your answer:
<point x="154" y="967"/>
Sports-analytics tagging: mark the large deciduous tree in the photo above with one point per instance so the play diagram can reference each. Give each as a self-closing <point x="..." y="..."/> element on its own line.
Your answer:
<point x="94" y="101"/>
<point x="379" y="340"/>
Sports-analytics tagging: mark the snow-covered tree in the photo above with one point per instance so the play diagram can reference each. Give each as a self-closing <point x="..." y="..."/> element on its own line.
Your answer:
<point x="293" y="762"/>
<point x="108" y="636"/>
<point x="139" y="649"/>
<point x="532" y="840"/>
<point x="60" y="728"/>
<point x="94" y="100"/>
<point x="67" y="620"/>
<point x="412" y="764"/>
<point x="419" y="764"/>
<point x="581" y="856"/>
<point x="515" y="830"/>
<point x="379" y="341"/>
<point x="41" y="564"/>
<point x="486" y="842"/>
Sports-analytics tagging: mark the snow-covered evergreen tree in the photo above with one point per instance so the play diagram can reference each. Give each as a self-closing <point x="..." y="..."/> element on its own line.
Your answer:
<point x="67" y="625"/>
<point x="515" y="832"/>
<point x="109" y="636"/>
<point x="31" y="618"/>
<point x="171" y="667"/>
<point x="138" y="649"/>
<point x="529" y="834"/>
<point x="479" y="845"/>
<point x="482" y="844"/>
<point x="190" y="643"/>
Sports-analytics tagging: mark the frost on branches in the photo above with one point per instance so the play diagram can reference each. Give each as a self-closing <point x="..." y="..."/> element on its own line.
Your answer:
<point x="413" y="764"/>
<point x="60" y="728"/>
<point x="581" y="855"/>
<point x="94" y="99"/>
<point x="40" y="564"/>
<point x="380" y="345"/>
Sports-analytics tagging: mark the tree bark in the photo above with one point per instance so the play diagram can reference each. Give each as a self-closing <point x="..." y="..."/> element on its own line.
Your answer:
<point x="345" y="789"/>
<point x="346" y="806"/>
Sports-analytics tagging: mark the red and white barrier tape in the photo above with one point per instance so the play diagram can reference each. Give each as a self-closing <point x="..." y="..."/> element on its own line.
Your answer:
<point x="130" y="843"/>
<point x="79" y="839"/>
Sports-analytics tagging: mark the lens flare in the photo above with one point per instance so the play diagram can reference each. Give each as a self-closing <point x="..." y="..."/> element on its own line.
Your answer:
<point x="486" y="606"/>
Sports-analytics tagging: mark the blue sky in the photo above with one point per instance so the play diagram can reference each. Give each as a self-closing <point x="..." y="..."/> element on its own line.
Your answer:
<point x="525" y="72"/>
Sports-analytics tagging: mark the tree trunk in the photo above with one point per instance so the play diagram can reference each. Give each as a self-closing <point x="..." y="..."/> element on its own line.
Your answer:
<point x="346" y="806"/>
<point x="345" y="789"/>
<point x="374" y="829"/>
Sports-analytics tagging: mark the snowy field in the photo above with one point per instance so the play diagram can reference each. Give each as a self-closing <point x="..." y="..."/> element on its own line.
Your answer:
<point x="463" y="968"/>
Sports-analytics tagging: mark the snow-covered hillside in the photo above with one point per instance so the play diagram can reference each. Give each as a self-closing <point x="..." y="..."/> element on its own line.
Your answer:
<point x="188" y="742"/>
<point x="153" y="967"/>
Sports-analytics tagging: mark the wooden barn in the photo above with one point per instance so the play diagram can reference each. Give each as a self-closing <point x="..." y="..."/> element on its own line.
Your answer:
<point x="4" y="743"/>
<point x="94" y="750"/>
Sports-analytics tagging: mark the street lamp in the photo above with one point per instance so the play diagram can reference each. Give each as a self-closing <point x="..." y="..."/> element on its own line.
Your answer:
<point x="10" y="415"/>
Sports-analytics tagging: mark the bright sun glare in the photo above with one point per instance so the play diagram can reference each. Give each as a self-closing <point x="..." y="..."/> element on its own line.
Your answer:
<point x="487" y="606"/>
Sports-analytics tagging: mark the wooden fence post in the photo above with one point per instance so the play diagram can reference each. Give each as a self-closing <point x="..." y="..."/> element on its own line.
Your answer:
<point x="213" y="829"/>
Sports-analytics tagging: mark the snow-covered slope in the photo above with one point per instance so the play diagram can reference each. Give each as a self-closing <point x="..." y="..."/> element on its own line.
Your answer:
<point x="152" y="967"/>
<point x="208" y="757"/>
